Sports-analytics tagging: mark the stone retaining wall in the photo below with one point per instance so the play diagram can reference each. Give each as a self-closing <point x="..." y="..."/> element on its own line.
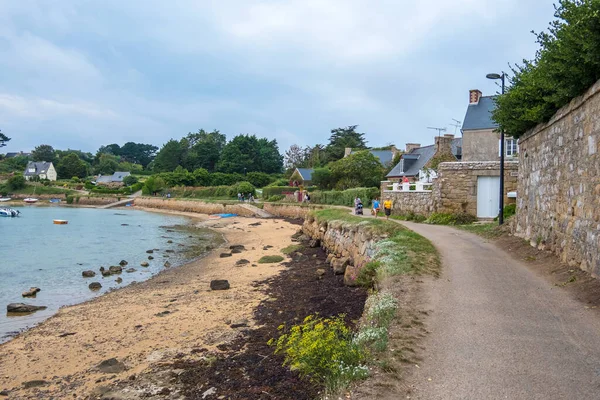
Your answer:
<point x="289" y="210"/>
<point x="404" y="203"/>
<point x="559" y="183"/>
<point x="193" y="206"/>
<point x="350" y="246"/>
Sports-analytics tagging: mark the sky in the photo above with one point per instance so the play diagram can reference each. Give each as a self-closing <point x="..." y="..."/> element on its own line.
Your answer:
<point x="82" y="73"/>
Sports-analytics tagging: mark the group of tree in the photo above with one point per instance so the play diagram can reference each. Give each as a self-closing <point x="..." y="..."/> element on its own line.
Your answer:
<point x="565" y="66"/>
<point x="211" y="151"/>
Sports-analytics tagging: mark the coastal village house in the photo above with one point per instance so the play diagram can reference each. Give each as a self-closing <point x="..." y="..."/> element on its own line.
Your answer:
<point x="465" y="172"/>
<point x="302" y="176"/>
<point x="41" y="170"/>
<point x="418" y="163"/>
<point x="17" y="154"/>
<point x="115" y="179"/>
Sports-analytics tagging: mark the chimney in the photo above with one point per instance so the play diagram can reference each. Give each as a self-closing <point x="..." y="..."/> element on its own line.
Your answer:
<point x="347" y="151"/>
<point x="449" y="135"/>
<point x="474" y="96"/>
<point x="443" y="144"/>
<point x="411" y="146"/>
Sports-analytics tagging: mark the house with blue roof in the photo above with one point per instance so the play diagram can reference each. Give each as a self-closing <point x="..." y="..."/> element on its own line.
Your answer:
<point x="302" y="176"/>
<point x="481" y="138"/>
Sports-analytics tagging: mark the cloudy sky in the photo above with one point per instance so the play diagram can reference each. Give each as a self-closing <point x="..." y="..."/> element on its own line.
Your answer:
<point x="82" y="73"/>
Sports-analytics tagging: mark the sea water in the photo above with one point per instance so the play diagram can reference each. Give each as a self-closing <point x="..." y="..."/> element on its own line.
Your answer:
<point x="34" y="252"/>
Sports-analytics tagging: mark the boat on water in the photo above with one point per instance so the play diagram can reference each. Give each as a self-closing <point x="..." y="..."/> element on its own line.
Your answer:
<point x="30" y="200"/>
<point x="54" y="200"/>
<point x="9" y="212"/>
<point x="60" y="222"/>
<point x="3" y="199"/>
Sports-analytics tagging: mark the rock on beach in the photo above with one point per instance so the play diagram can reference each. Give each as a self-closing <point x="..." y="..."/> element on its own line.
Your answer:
<point x="32" y="292"/>
<point x="219" y="284"/>
<point x="95" y="286"/>
<point x="88" y="274"/>
<point x="23" y="308"/>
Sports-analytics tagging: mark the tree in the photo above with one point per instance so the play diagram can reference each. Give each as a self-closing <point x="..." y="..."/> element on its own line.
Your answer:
<point x="153" y="185"/>
<point x="204" y="149"/>
<point x="3" y="139"/>
<point x="43" y="152"/>
<point x="565" y="66"/>
<point x="107" y="164"/>
<point x="315" y="156"/>
<point x="130" y="180"/>
<point x="294" y="157"/>
<point x="245" y="153"/>
<point x="342" y="138"/>
<point x="323" y="178"/>
<point x="16" y="182"/>
<point x="169" y="157"/>
<point x="138" y="153"/>
<point x="361" y="169"/>
<point x="71" y="165"/>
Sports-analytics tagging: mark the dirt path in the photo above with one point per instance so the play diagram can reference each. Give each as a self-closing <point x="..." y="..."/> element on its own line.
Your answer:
<point x="498" y="330"/>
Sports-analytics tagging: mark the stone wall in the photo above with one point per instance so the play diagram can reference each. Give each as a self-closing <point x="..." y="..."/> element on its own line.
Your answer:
<point x="559" y="183"/>
<point x="193" y="206"/>
<point x="404" y="203"/>
<point x="289" y="210"/>
<point x="349" y="246"/>
<point x="455" y="189"/>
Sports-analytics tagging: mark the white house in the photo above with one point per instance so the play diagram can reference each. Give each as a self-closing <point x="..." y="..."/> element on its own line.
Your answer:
<point x="41" y="169"/>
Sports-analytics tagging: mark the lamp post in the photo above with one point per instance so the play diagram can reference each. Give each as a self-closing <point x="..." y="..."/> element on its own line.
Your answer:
<point x="501" y="211"/>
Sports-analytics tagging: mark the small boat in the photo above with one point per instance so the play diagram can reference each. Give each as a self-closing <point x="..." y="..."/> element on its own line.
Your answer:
<point x="30" y="200"/>
<point x="54" y="200"/>
<point x="60" y="222"/>
<point x="9" y="212"/>
<point x="3" y="199"/>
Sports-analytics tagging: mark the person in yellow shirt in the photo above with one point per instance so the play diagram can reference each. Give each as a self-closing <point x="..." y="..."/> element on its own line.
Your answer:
<point x="387" y="207"/>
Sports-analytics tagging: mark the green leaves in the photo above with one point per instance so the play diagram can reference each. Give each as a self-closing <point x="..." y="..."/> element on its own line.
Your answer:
<point x="565" y="66"/>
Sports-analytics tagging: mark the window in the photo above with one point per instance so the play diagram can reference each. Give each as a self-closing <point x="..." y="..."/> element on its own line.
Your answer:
<point x="511" y="147"/>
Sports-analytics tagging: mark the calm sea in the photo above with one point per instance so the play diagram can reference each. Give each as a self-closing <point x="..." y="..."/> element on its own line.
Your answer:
<point x="36" y="253"/>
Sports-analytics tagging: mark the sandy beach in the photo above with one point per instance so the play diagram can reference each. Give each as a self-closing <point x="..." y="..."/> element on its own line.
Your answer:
<point x="145" y="323"/>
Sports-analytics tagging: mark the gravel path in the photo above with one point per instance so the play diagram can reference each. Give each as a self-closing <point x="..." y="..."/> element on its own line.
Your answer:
<point x="499" y="331"/>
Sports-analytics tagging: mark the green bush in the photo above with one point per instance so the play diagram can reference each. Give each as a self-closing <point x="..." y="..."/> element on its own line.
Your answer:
<point x="451" y="219"/>
<point x="345" y="197"/>
<point x="245" y="188"/>
<point x="70" y="199"/>
<point x="130" y="180"/>
<point x="75" y="179"/>
<point x="277" y="197"/>
<point x="16" y="182"/>
<point x="323" y="350"/>
<point x="280" y="182"/>
<point x="270" y="259"/>
<point x="209" y="192"/>
<point x="278" y="190"/>
<point x="259" y="179"/>
<point x="510" y="210"/>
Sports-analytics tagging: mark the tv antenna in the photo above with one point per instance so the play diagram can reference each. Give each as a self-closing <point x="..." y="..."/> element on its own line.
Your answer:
<point x="440" y="130"/>
<point x="458" y="124"/>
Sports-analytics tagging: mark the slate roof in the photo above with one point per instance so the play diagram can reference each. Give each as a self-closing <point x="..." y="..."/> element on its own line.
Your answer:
<point x="384" y="156"/>
<point x="479" y="116"/>
<point x="41" y="167"/>
<point x="17" y="154"/>
<point x="411" y="163"/>
<point x="116" y="177"/>
<point x="305" y="173"/>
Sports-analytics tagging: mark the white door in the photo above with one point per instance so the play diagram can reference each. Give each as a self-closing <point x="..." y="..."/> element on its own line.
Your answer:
<point x="488" y="196"/>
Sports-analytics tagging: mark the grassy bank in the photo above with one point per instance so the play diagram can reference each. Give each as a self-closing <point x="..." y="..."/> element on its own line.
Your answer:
<point x="326" y="349"/>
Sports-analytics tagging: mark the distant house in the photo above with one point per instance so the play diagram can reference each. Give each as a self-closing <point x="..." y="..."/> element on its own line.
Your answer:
<point x="17" y="154"/>
<point x="481" y="138"/>
<point x="302" y="176"/>
<point x="385" y="157"/>
<point x="40" y="169"/>
<point x="116" y="178"/>
<point x="415" y="163"/>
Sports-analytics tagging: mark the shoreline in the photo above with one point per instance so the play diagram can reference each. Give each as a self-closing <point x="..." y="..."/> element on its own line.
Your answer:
<point x="131" y="323"/>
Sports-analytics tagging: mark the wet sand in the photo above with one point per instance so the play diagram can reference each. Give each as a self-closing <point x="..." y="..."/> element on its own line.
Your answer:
<point x="148" y="322"/>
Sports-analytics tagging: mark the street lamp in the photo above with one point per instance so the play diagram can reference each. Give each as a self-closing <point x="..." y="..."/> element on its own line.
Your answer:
<point x="501" y="211"/>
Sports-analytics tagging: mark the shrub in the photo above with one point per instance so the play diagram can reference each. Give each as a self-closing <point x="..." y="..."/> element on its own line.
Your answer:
<point x="130" y="180"/>
<point x="510" y="210"/>
<point x="259" y="179"/>
<point x="16" y="182"/>
<point x="75" y="179"/>
<point x="323" y="350"/>
<point x="70" y="199"/>
<point x="277" y="197"/>
<point x="345" y="197"/>
<point x="278" y="190"/>
<point x="245" y="188"/>
<point x="279" y="182"/>
<point x="451" y="219"/>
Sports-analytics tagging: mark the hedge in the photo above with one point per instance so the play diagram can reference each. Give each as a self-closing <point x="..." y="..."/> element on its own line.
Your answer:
<point x="345" y="197"/>
<point x="212" y="192"/>
<point x="277" y="191"/>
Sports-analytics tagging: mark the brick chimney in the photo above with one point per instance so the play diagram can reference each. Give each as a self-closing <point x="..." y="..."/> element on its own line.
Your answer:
<point x="474" y="96"/>
<point x="411" y="146"/>
<point x="443" y="144"/>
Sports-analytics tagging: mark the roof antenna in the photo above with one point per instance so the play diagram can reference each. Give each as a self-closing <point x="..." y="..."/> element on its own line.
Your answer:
<point x="458" y="124"/>
<point x="439" y="130"/>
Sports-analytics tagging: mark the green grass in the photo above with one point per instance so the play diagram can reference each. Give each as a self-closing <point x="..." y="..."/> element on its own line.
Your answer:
<point x="29" y="189"/>
<point x="377" y="226"/>
<point x="270" y="259"/>
<point x="488" y="231"/>
<point x="291" y="248"/>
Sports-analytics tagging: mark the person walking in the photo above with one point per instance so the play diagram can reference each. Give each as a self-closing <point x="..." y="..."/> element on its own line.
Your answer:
<point x="376" y="207"/>
<point x="387" y="208"/>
